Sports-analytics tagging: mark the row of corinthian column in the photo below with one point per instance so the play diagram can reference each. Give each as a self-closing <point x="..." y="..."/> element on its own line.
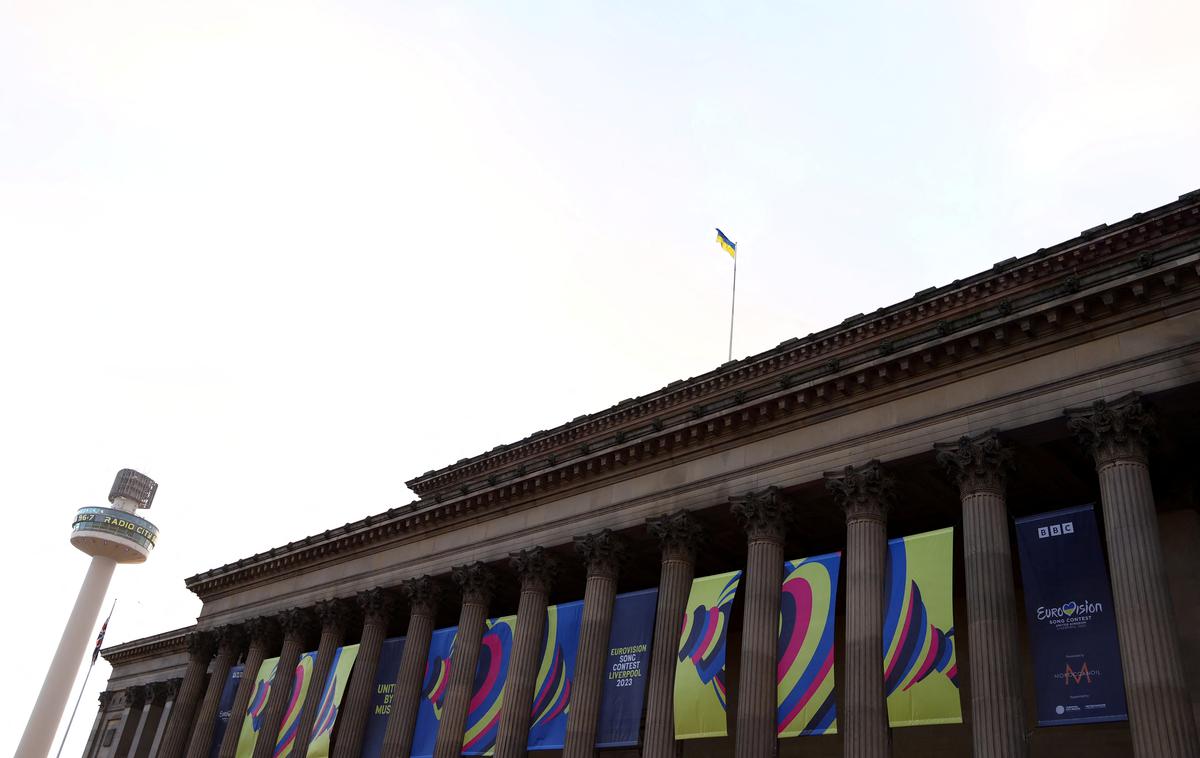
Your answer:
<point x="1161" y="719"/>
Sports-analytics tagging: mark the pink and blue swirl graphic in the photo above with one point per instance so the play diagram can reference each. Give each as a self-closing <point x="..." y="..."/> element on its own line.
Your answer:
<point x="807" y="702"/>
<point x="491" y="673"/>
<point x="552" y="695"/>
<point x="703" y="638"/>
<point x="917" y="648"/>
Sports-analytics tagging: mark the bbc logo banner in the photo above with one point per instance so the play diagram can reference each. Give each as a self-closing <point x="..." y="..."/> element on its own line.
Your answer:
<point x="1056" y="530"/>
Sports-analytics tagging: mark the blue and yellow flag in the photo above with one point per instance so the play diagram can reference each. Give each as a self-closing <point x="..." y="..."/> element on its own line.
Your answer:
<point x="727" y="244"/>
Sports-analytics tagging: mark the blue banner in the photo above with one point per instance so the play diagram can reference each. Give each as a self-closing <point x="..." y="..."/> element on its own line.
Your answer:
<point x="381" y="696"/>
<point x="224" y="706"/>
<point x="626" y="669"/>
<point x="433" y="692"/>
<point x="1077" y="662"/>
<point x="556" y="675"/>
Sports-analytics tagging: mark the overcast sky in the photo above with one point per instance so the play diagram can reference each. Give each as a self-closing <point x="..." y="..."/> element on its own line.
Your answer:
<point x="282" y="257"/>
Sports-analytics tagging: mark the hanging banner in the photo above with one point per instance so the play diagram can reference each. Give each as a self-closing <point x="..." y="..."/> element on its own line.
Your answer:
<point x="1077" y="661"/>
<point x="331" y="700"/>
<point x="224" y="707"/>
<point x="491" y="674"/>
<point x="807" y="704"/>
<point x="920" y="671"/>
<point x="556" y="674"/>
<point x="433" y="692"/>
<point x="626" y="669"/>
<point x="291" y="714"/>
<point x="700" y="670"/>
<point x="256" y="710"/>
<point x="381" y="696"/>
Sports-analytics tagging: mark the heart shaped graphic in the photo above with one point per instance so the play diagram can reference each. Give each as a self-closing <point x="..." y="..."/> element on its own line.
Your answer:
<point x="1070" y="608"/>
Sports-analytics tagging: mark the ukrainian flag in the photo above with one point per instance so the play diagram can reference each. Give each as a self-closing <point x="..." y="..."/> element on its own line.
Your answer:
<point x="729" y="245"/>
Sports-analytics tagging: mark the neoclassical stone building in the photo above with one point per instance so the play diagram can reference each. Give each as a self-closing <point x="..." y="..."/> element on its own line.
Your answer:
<point x="1063" y="377"/>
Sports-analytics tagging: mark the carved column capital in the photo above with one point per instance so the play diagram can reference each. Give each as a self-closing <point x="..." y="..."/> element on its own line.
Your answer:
<point x="679" y="533"/>
<point x="377" y="605"/>
<point x="423" y="594"/>
<point x="1117" y="430"/>
<point x="978" y="464"/>
<point x="230" y="637"/>
<point x="763" y="514"/>
<point x="160" y="692"/>
<point x="603" y="552"/>
<point x="864" y="492"/>
<point x="476" y="581"/>
<point x="105" y="698"/>
<point x="264" y="630"/>
<point x="334" y="615"/>
<point x="135" y="696"/>
<point x="201" y="645"/>
<point x="536" y="567"/>
<point x="296" y="622"/>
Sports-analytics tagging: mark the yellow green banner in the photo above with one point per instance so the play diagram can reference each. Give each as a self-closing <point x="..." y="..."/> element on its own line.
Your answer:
<point x="256" y="711"/>
<point x="331" y="701"/>
<point x="700" y="669"/>
<point x="920" y="671"/>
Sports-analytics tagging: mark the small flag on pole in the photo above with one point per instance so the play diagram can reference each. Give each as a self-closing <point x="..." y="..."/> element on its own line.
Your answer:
<point x="729" y="245"/>
<point x="100" y="637"/>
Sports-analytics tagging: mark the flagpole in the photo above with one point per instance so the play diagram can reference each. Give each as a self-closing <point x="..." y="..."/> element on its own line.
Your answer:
<point x="732" y="306"/>
<point x="83" y="687"/>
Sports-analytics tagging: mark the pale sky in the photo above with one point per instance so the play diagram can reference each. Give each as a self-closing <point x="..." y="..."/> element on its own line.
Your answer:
<point x="282" y="257"/>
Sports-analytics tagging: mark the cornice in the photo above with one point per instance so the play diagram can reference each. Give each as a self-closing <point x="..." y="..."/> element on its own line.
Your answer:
<point x="1105" y="278"/>
<point x="148" y="647"/>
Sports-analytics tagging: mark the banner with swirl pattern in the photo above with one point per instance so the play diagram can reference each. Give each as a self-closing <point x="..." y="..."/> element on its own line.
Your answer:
<point x="556" y="675"/>
<point x="700" y="697"/>
<point x="331" y="700"/>
<point x="433" y="691"/>
<point x="807" y="702"/>
<point x="920" y="672"/>
<point x="256" y="711"/>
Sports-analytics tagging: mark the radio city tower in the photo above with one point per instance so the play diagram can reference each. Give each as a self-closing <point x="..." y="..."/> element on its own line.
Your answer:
<point x="111" y="536"/>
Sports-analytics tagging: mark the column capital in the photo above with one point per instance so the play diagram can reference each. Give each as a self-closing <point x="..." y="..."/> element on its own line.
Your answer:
<point x="160" y="692"/>
<point x="763" y="514"/>
<point x="105" y="698"/>
<point x="296" y="622"/>
<point x="173" y="686"/>
<point x="978" y="464"/>
<point x="864" y="492"/>
<point x="536" y="567"/>
<point x="334" y="615"/>
<point x="263" y="630"/>
<point x="376" y="604"/>
<point x="230" y="637"/>
<point x="603" y="552"/>
<point x="135" y="696"/>
<point x="1115" y="430"/>
<point x="201" y="644"/>
<point x="423" y="593"/>
<point x="679" y="533"/>
<point x="476" y="581"/>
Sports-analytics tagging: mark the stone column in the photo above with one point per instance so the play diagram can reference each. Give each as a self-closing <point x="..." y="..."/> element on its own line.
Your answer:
<point x="980" y="466"/>
<point x="603" y="552"/>
<point x="536" y="568"/>
<point x="229" y="647"/>
<point x="172" y="691"/>
<point x="679" y="534"/>
<point x="156" y="698"/>
<point x="423" y="594"/>
<point x="296" y="624"/>
<point x="200" y="651"/>
<point x="764" y="516"/>
<point x="476" y="581"/>
<point x="865" y="494"/>
<point x="377" y="606"/>
<point x="135" y="699"/>
<point x="97" y="725"/>
<point x="334" y="616"/>
<point x="1160" y="714"/>
<point x="264" y="635"/>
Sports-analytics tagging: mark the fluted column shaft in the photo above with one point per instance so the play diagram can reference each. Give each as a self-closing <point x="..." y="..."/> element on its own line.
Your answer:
<point x="263" y="636"/>
<point x="296" y="625"/>
<point x="763" y="515"/>
<point x="206" y="718"/>
<point x="476" y="581"/>
<point x="377" y="606"/>
<point x="536" y="568"/>
<point x="334" y="615"/>
<point x="179" y="728"/>
<point x="679" y="534"/>
<point x="980" y="466"/>
<point x="603" y="553"/>
<point x="865" y="495"/>
<point x="1161" y="721"/>
<point x="423" y="596"/>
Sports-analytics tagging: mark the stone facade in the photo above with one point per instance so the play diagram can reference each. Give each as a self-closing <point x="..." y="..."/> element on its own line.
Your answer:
<point x="836" y="441"/>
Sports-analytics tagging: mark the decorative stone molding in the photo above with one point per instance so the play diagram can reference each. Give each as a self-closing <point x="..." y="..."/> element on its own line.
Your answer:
<point x="231" y="636"/>
<point x="160" y="692"/>
<point x="536" y="567"/>
<point x="423" y="594"/>
<point x="864" y="492"/>
<point x="602" y="551"/>
<point x="978" y="464"/>
<point x="1117" y="430"/>
<point x="679" y="533"/>
<point x="334" y="615"/>
<point x="476" y="581"/>
<point x="763" y="514"/>
<point x="263" y="630"/>
<point x="135" y="696"/>
<point x="201" y="645"/>
<point x="376" y="604"/>
<point x="296" y="622"/>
